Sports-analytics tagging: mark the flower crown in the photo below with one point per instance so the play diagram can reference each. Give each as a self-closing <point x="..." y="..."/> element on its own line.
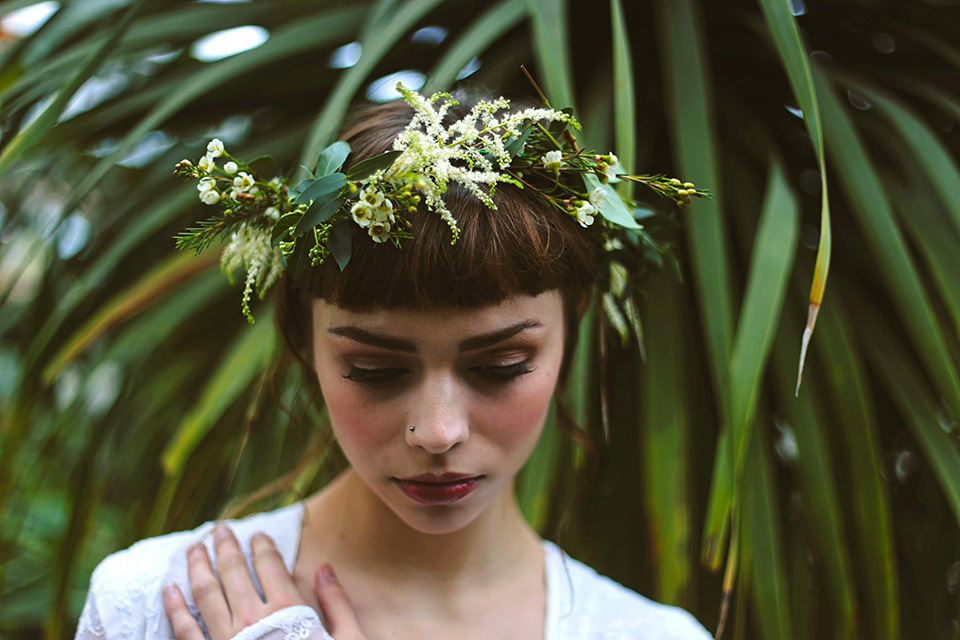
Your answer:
<point x="270" y="226"/>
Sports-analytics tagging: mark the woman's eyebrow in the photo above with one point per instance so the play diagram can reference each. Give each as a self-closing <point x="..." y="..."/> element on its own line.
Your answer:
<point x="374" y="339"/>
<point x="398" y="344"/>
<point x="492" y="338"/>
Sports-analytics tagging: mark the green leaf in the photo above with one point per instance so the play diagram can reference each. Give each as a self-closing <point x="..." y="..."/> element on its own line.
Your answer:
<point x="340" y="242"/>
<point x="280" y="230"/>
<point x="332" y="158"/>
<point x="624" y="99"/>
<point x="321" y="187"/>
<point x="516" y="142"/>
<point x="365" y="168"/>
<point x="611" y="206"/>
<point x="786" y="37"/>
<point x="319" y="211"/>
<point x="551" y="46"/>
<point x="773" y="250"/>
<point x="689" y="100"/>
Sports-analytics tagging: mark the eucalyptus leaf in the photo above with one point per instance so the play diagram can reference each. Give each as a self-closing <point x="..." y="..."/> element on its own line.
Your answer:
<point x="283" y="226"/>
<point x="321" y="187"/>
<point x="318" y="212"/>
<point x="298" y="188"/>
<point x="516" y="142"/>
<point x="340" y="242"/>
<point x="365" y="168"/>
<point x="332" y="158"/>
<point x="609" y="204"/>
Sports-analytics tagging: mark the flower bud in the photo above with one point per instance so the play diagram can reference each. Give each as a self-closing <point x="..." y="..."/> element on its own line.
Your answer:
<point x="675" y="182"/>
<point x="231" y="167"/>
<point x="688" y="185"/>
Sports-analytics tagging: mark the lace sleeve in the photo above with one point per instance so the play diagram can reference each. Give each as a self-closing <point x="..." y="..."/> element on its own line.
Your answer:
<point x="292" y="623"/>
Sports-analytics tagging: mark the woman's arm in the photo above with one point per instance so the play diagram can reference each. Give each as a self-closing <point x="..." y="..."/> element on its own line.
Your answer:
<point x="231" y="608"/>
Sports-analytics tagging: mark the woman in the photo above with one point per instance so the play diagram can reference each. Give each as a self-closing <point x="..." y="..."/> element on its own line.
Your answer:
<point x="437" y="362"/>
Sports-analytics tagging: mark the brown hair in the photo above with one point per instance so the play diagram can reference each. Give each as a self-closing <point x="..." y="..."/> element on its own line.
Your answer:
<point x="524" y="246"/>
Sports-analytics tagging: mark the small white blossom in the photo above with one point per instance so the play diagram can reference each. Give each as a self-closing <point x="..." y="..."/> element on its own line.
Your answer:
<point x="379" y="231"/>
<point x="253" y="190"/>
<point x="210" y="197"/>
<point x="553" y="160"/>
<point x="215" y="148"/>
<point x="243" y="181"/>
<point x="272" y="212"/>
<point x="585" y="214"/>
<point x="206" y="164"/>
<point x="373" y="197"/>
<point x="206" y="184"/>
<point x="611" y="172"/>
<point x="231" y="167"/>
<point x="597" y="197"/>
<point x="384" y="212"/>
<point x="362" y="214"/>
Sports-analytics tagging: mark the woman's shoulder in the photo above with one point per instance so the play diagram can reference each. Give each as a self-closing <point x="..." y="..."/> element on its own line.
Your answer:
<point x="585" y="605"/>
<point x="125" y="598"/>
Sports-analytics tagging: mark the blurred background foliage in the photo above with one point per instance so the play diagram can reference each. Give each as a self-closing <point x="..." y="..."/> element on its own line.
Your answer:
<point x="136" y="400"/>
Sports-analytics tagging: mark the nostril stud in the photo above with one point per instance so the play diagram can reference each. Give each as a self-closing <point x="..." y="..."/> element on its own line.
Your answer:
<point x="411" y="427"/>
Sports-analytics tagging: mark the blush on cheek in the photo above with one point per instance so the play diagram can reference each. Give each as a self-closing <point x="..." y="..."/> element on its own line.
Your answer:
<point x="523" y="415"/>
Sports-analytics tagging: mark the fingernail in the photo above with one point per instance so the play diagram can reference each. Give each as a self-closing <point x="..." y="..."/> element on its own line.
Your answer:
<point x="326" y="574"/>
<point x="220" y="533"/>
<point x="194" y="548"/>
<point x="169" y="591"/>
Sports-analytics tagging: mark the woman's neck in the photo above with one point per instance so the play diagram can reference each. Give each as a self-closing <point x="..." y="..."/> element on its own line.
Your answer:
<point x="351" y="527"/>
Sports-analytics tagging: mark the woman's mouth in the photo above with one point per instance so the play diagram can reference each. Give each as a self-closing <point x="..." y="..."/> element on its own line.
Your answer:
<point x="438" y="489"/>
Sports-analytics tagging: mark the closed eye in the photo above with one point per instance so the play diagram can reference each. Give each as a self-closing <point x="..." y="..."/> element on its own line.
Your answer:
<point x="504" y="373"/>
<point x="375" y="376"/>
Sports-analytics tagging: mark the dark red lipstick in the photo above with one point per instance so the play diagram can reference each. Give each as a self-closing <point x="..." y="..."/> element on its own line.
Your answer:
<point x="447" y="488"/>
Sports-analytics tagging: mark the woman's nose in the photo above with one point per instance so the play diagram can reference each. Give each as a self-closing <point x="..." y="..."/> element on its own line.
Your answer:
<point x="438" y="418"/>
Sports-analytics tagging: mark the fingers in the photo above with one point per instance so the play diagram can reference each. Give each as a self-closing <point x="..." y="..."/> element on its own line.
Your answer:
<point x="183" y="623"/>
<point x="206" y="590"/>
<point x="278" y="587"/>
<point x="233" y="571"/>
<point x="336" y="605"/>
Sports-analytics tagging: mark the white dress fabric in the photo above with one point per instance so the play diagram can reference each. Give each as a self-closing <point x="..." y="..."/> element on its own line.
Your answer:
<point x="125" y="600"/>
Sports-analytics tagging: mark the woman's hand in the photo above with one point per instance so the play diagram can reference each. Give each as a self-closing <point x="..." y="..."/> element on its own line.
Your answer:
<point x="231" y="603"/>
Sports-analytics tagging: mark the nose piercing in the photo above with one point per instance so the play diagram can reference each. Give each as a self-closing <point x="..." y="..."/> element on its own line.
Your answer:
<point x="411" y="427"/>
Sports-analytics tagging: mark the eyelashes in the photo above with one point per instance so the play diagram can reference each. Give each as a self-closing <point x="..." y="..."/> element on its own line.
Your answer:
<point x="488" y="373"/>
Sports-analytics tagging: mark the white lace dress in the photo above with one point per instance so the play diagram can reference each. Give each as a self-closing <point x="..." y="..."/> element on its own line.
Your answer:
<point x="125" y="600"/>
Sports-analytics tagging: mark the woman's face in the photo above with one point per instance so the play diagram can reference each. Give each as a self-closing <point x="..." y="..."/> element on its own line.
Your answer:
<point x="475" y="384"/>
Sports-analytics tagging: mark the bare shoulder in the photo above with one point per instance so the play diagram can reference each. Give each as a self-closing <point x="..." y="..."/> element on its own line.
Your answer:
<point x="588" y="606"/>
<point x="126" y="587"/>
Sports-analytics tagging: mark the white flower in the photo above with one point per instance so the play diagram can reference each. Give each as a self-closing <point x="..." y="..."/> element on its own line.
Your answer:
<point x="553" y="160"/>
<point x="597" y="197"/>
<point x="231" y="167"/>
<point x="372" y="197"/>
<point x="384" y="212"/>
<point x="206" y="184"/>
<point x="242" y="181"/>
<point x="215" y="148"/>
<point x="585" y="214"/>
<point x="610" y="170"/>
<point x="206" y="164"/>
<point x="272" y="213"/>
<point x="379" y="231"/>
<point x="210" y="197"/>
<point x="252" y="250"/>
<point x="362" y="214"/>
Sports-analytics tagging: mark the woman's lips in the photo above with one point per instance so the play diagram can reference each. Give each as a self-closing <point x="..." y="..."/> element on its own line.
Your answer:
<point x="443" y="489"/>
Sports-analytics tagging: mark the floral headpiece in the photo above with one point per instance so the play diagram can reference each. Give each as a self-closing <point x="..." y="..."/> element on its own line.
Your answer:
<point x="270" y="226"/>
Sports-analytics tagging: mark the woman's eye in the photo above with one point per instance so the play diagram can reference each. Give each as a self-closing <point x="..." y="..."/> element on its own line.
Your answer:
<point x="375" y="376"/>
<point x="504" y="373"/>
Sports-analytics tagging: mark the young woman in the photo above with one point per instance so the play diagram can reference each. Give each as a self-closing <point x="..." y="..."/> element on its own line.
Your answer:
<point x="437" y="363"/>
